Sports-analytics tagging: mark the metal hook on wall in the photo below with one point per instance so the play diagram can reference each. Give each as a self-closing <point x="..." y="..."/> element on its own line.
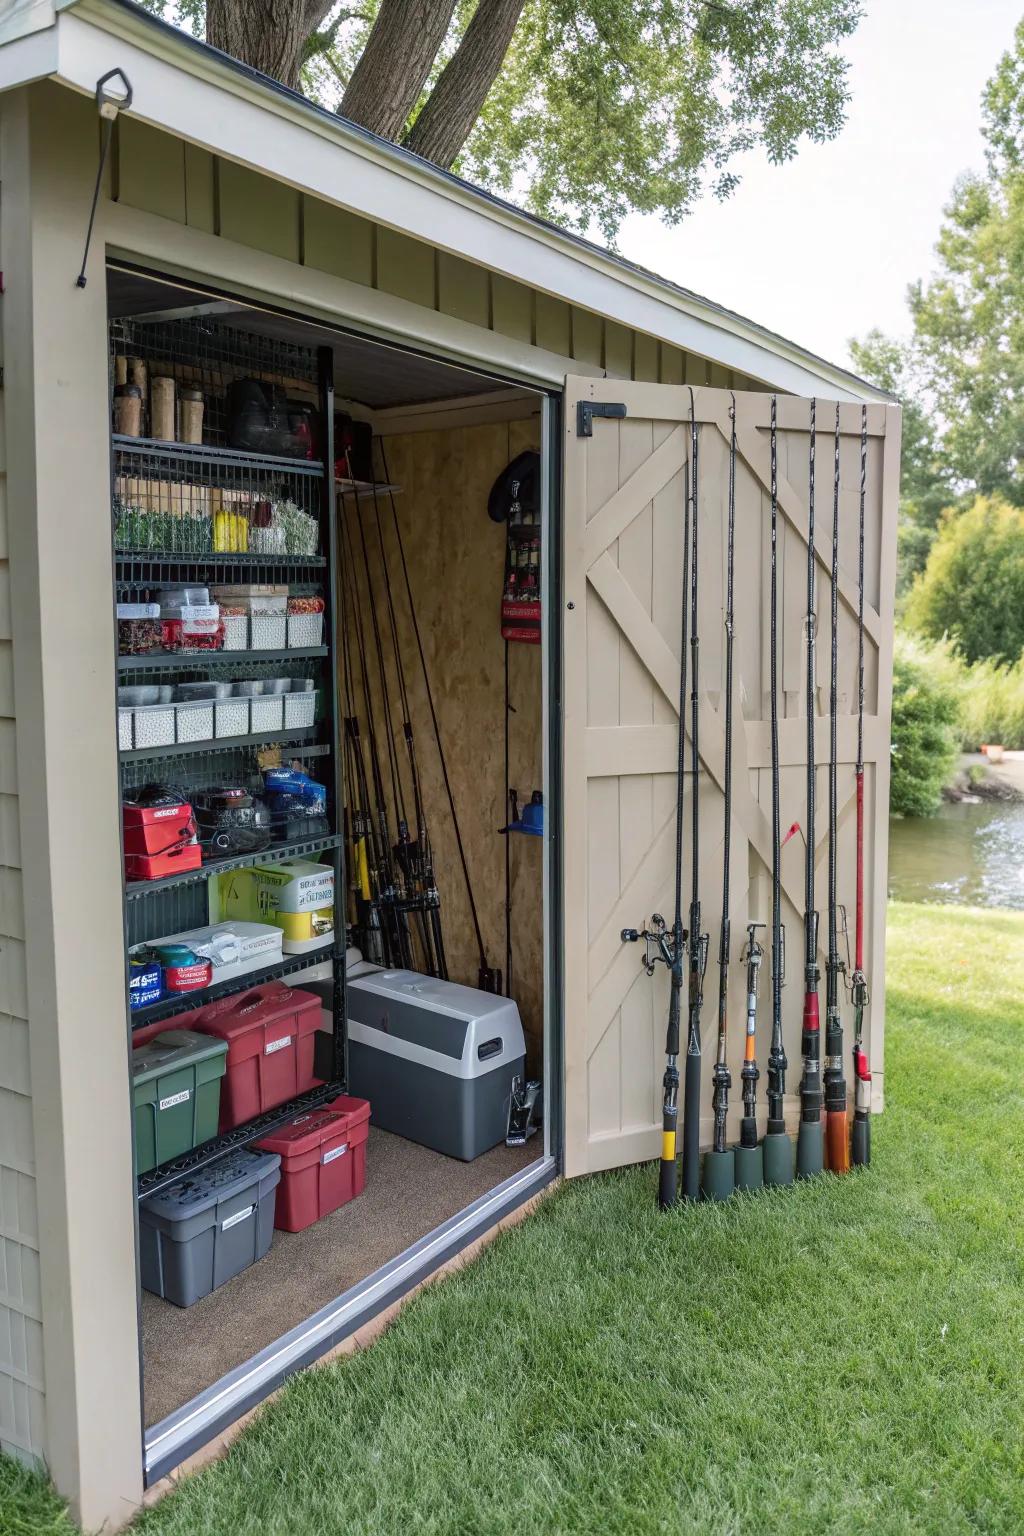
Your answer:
<point x="108" y="103"/>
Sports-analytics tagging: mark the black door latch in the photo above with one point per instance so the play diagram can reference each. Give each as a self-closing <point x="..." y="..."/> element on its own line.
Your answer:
<point x="586" y="410"/>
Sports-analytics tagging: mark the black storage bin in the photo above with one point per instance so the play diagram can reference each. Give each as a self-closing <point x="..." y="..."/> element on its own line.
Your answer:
<point x="207" y="1228"/>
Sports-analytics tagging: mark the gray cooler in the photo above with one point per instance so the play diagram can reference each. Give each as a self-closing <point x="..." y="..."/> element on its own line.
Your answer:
<point x="208" y="1227"/>
<point x="435" y="1060"/>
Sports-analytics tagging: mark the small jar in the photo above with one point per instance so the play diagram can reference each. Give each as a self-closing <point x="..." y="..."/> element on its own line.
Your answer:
<point x="190" y="414"/>
<point x="161" y="409"/>
<point x="128" y="410"/>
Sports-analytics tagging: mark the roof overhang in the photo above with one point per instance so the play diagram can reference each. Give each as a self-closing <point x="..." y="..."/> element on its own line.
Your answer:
<point x="200" y="95"/>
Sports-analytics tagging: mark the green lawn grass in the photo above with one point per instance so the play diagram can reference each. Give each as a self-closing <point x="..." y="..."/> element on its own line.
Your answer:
<point x="845" y="1356"/>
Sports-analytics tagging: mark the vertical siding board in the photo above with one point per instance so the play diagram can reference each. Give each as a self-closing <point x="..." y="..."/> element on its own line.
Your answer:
<point x="645" y="358"/>
<point x="511" y="308"/>
<point x="257" y="211"/>
<point x="338" y="242"/>
<point x="618" y="350"/>
<point x="151" y="170"/>
<point x="405" y="267"/>
<point x="671" y="364"/>
<point x="462" y="289"/>
<point x="200" y="190"/>
<point x="553" y="326"/>
<point x="587" y="336"/>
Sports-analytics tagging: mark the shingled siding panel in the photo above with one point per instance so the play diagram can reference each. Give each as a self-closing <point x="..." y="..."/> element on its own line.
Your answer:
<point x="159" y="174"/>
<point x="21" y="1330"/>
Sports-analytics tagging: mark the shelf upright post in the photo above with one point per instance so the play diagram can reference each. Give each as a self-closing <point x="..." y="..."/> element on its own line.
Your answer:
<point x="332" y="630"/>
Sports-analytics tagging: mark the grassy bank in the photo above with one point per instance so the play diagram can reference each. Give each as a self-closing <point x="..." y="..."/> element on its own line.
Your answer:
<point x="839" y="1357"/>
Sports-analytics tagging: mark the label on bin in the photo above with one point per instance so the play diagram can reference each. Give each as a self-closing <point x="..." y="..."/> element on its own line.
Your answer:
<point x="277" y="1045"/>
<point x="232" y="1221"/>
<point x="176" y="1098"/>
<point x="329" y="1157"/>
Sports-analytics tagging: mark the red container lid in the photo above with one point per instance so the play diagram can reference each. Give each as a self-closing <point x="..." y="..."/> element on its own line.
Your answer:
<point x="309" y="1131"/>
<point x="260" y="1017"/>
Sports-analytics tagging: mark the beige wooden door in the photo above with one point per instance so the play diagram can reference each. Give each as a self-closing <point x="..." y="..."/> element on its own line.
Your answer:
<point x="623" y="519"/>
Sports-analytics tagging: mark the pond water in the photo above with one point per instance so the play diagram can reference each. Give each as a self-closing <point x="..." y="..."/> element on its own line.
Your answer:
<point x="970" y="855"/>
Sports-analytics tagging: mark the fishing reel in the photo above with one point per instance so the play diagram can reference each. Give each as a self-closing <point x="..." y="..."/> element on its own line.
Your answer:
<point x="659" y="943"/>
<point x="753" y="954"/>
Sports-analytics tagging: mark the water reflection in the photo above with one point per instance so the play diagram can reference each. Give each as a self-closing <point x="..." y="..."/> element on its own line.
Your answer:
<point x="968" y="854"/>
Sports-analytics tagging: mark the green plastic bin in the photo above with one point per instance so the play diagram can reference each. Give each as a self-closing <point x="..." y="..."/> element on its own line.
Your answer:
<point x="177" y="1078"/>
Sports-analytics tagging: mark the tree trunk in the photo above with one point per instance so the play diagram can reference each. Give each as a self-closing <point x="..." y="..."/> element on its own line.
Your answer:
<point x="453" y="106"/>
<point x="393" y="67"/>
<point x="269" y="35"/>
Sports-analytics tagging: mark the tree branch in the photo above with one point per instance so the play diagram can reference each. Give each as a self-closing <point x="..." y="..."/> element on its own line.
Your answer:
<point x="455" y="103"/>
<point x="393" y="67"/>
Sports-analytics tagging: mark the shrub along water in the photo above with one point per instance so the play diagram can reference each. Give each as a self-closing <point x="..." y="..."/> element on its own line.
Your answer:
<point x="925" y="727"/>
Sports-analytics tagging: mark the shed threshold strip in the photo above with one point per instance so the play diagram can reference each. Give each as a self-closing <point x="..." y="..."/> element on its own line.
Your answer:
<point x="194" y="1424"/>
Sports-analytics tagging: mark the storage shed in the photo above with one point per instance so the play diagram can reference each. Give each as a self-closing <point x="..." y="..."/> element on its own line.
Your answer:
<point x="244" y="529"/>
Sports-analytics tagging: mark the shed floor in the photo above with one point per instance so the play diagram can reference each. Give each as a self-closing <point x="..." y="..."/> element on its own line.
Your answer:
<point x="409" y="1191"/>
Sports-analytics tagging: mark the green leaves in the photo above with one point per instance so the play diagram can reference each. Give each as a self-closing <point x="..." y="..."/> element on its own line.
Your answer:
<point x="972" y="588"/>
<point x="925" y="732"/>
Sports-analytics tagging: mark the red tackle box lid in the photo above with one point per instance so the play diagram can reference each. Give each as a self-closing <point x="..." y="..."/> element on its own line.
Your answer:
<point x="267" y="1014"/>
<point x="343" y="1119"/>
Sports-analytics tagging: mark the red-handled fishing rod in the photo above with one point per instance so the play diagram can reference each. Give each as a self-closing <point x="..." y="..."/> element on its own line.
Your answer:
<point x="776" y="1148"/>
<point x="861" y="1141"/>
<point x="837" y="1135"/>
<point x="810" y="1150"/>
<point x="719" y="1179"/>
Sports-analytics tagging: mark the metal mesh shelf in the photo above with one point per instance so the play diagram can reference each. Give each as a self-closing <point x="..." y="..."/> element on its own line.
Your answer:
<point x="145" y="568"/>
<point x="185" y="1002"/>
<point x="299" y="744"/>
<point x="199" y="456"/>
<point x="156" y="1179"/>
<point x="190" y="661"/>
<point x="135" y="890"/>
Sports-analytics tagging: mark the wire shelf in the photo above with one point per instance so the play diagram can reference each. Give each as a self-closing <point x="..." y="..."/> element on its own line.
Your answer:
<point x="201" y="662"/>
<point x="135" y="890"/>
<point x="166" y="1174"/>
<point x="199" y="456"/>
<point x="186" y="1002"/>
<point x="298" y="743"/>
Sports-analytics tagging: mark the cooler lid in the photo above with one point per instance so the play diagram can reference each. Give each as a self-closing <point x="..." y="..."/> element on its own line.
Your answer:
<point x="172" y="1050"/>
<point x="202" y="1190"/>
<point x="309" y="1131"/>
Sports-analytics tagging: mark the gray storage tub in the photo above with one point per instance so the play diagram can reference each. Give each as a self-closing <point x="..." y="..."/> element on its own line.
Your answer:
<point x="207" y="1228"/>
<point x="436" y="1060"/>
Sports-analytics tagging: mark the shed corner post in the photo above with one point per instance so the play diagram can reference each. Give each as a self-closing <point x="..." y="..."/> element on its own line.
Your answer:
<point x="58" y="484"/>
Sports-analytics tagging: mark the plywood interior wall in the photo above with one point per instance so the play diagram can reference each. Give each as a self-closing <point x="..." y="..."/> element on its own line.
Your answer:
<point x="455" y="556"/>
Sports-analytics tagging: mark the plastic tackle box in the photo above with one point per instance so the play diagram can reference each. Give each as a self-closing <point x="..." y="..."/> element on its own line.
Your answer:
<point x="270" y="1033"/>
<point x="323" y="1161"/>
<point x="176" y="1088"/>
<point x="207" y="1228"/>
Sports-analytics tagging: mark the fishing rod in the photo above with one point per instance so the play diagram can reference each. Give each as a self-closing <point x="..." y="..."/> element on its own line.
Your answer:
<point x="488" y="978"/>
<point x="391" y="895"/>
<point x="810" y="1141"/>
<point x="697" y="941"/>
<point x="659" y="944"/>
<point x="419" y="853"/>
<point x="837" y="1139"/>
<point x="861" y="1148"/>
<point x="366" y="909"/>
<point x="748" y="1156"/>
<point x="776" y="1148"/>
<point x="720" y="1164"/>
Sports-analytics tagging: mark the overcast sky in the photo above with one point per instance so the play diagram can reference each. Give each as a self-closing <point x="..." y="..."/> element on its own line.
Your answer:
<point x="823" y="248"/>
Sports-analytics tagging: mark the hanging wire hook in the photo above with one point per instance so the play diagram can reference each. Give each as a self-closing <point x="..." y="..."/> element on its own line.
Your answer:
<point x="108" y="104"/>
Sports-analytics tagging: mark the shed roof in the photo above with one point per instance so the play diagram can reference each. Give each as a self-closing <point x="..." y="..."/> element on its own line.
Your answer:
<point x="174" y="75"/>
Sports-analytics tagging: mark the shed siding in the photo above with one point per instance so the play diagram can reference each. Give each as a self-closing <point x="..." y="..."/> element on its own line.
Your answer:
<point x="157" y="173"/>
<point x="21" y="1329"/>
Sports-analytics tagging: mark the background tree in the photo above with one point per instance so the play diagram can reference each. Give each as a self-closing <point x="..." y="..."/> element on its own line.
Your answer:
<point x="972" y="588"/>
<point x="927" y="486"/>
<point x="925" y="732"/>
<point x="584" y="109"/>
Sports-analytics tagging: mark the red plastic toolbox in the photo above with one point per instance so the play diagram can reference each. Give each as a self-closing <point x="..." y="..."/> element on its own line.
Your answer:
<point x="270" y="1033"/>
<point x="159" y="840"/>
<point x="323" y="1161"/>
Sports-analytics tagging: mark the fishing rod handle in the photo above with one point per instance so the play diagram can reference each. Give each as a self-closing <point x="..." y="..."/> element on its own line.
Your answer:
<point x="837" y="1141"/>
<point x="691" y="1124"/>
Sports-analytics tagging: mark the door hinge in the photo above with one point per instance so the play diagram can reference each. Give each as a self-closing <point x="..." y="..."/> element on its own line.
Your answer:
<point x="586" y="410"/>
